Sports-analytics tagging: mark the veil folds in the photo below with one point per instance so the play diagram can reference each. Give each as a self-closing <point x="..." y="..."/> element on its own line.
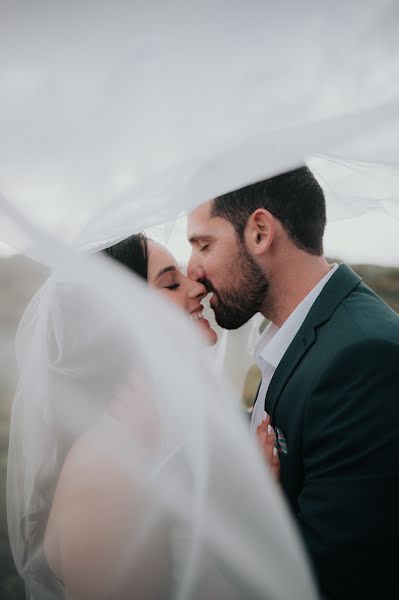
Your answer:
<point x="125" y="116"/>
<point x="99" y="356"/>
<point x="128" y="116"/>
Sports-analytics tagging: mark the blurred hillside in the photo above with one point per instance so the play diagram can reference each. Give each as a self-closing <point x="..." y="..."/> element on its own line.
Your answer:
<point x="383" y="280"/>
<point x="19" y="279"/>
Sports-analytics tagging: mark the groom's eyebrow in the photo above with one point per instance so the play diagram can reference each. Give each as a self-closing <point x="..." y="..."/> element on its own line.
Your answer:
<point x="193" y="239"/>
<point x="165" y="270"/>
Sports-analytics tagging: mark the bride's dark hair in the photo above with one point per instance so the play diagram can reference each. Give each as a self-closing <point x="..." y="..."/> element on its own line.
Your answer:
<point x="131" y="252"/>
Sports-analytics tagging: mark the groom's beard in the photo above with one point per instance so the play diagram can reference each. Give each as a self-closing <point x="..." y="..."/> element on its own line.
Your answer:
<point x="243" y="297"/>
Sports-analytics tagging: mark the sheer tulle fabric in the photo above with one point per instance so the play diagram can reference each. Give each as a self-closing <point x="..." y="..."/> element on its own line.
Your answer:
<point x="151" y="110"/>
<point x="101" y="358"/>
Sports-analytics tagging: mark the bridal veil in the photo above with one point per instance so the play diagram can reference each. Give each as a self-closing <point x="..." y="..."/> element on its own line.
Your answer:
<point x="119" y="116"/>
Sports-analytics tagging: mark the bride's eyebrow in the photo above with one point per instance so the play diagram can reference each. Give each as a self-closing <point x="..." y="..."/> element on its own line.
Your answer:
<point x="171" y="268"/>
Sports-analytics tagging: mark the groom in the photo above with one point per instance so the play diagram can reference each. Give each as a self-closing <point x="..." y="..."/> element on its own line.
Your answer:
<point x="330" y="372"/>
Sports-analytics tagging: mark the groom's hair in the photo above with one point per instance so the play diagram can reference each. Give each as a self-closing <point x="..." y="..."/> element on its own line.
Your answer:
<point x="295" y="198"/>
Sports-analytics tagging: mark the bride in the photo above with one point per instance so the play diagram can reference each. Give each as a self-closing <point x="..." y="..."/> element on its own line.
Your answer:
<point x="124" y="480"/>
<point x="155" y="264"/>
<point x="79" y="557"/>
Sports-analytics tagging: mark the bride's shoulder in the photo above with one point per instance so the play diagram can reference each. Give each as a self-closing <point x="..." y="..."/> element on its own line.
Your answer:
<point x="92" y="503"/>
<point x="99" y="507"/>
<point x="94" y="468"/>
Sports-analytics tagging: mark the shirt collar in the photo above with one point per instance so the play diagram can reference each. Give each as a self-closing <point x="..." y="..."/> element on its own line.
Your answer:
<point x="275" y="341"/>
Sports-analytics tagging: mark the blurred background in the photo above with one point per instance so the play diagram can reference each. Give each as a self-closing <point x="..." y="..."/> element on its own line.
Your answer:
<point x="19" y="280"/>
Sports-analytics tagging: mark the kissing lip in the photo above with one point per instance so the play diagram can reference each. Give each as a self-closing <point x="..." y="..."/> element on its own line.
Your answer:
<point x="198" y="309"/>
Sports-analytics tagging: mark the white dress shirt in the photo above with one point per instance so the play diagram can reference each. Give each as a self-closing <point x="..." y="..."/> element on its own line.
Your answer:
<point x="274" y="344"/>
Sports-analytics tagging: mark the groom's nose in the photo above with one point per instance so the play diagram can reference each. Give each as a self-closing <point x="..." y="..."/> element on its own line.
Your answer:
<point x="195" y="270"/>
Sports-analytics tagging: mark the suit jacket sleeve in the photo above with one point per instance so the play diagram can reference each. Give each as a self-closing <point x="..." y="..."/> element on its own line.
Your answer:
<point x="349" y="502"/>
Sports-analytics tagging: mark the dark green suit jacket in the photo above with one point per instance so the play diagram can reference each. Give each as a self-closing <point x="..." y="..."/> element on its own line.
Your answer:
<point x="335" y="401"/>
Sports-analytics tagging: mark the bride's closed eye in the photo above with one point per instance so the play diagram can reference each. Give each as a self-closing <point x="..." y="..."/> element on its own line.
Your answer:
<point x="167" y="278"/>
<point x="173" y="286"/>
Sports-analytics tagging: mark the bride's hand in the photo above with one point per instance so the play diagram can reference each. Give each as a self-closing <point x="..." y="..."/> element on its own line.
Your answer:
<point x="267" y="442"/>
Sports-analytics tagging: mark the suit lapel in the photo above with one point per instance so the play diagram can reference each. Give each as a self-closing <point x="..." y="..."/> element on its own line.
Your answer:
<point x="336" y="289"/>
<point x="297" y="349"/>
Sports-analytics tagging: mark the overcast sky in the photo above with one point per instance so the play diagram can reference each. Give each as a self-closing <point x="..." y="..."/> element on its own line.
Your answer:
<point x="97" y="99"/>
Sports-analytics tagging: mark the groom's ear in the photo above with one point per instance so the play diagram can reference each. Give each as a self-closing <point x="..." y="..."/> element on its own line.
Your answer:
<point x="259" y="232"/>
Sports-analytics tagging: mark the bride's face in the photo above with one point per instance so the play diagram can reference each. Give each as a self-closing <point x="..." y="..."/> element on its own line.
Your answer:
<point x="165" y="276"/>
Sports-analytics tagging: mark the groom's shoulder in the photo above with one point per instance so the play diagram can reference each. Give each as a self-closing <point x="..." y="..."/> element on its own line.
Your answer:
<point x="355" y="315"/>
<point x="368" y="315"/>
<point x="362" y="334"/>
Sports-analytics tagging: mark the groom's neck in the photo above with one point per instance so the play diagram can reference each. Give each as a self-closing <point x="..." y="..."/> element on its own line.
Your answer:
<point x="290" y="281"/>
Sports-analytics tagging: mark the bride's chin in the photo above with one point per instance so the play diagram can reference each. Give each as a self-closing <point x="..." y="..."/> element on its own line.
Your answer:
<point x="211" y="337"/>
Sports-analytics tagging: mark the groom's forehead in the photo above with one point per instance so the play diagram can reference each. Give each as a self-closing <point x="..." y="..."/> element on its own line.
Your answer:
<point x="203" y="226"/>
<point x="199" y="221"/>
<point x="201" y="213"/>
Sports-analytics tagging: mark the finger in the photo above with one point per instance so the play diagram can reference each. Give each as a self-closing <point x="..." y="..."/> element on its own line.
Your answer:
<point x="275" y="469"/>
<point x="264" y="422"/>
<point x="270" y="444"/>
<point x="261" y="435"/>
<point x="262" y="427"/>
